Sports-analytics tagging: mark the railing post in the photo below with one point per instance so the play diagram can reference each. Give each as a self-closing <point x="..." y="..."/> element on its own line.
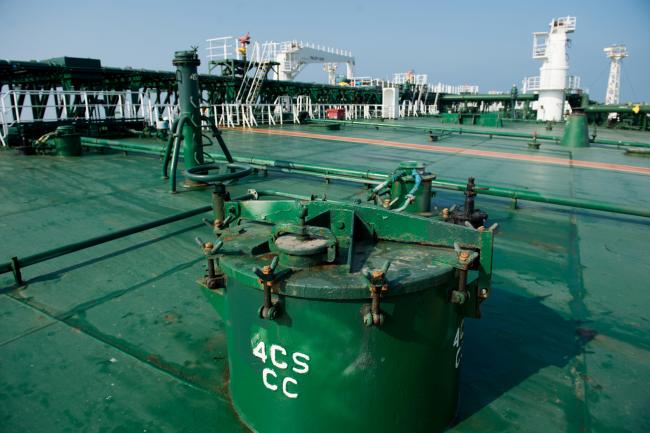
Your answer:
<point x="15" y="98"/>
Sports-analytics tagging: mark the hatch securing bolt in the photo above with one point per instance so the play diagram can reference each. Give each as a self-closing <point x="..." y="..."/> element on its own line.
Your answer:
<point x="267" y="278"/>
<point x="215" y="278"/>
<point x="219" y="224"/>
<point x="378" y="285"/>
<point x="461" y="295"/>
<point x="483" y="294"/>
<point x="445" y="213"/>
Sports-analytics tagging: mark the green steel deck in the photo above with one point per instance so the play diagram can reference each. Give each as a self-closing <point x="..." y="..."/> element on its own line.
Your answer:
<point x="118" y="338"/>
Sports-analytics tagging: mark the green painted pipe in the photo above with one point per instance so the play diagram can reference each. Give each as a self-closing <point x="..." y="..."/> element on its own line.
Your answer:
<point x="77" y="246"/>
<point x="273" y="193"/>
<point x="488" y="97"/>
<point x="100" y="143"/>
<point x="490" y="133"/>
<point x="104" y="143"/>
<point x="443" y="129"/>
<point x="368" y="177"/>
<point x="176" y="150"/>
<point x="168" y="147"/>
<point x="614" y="108"/>
<point x="537" y="197"/>
<point x="620" y="143"/>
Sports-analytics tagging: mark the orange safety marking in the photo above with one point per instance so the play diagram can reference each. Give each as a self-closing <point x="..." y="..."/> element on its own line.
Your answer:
<point x="476" y="152"/>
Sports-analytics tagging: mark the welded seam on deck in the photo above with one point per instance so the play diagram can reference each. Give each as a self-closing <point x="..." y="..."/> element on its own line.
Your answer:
<point x="66" y="319"/>
<point x="579" y="313"/>
<point x="28" y="331"/>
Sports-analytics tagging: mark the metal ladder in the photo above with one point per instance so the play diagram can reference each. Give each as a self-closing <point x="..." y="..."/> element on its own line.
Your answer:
<point x="258" y="80"/>
<point x="251" y="86"/>
<point x="435" y="104"/>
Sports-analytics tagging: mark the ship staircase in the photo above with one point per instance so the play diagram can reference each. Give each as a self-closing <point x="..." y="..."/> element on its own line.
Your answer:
<point x="419" y="98"/>
<point x="256" y="73"/>
<point x="435" y="103"/>
<point x="251" y="85"/>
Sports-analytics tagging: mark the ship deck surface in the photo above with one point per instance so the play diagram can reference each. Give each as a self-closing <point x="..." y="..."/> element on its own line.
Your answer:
<point x="118" y="337"/>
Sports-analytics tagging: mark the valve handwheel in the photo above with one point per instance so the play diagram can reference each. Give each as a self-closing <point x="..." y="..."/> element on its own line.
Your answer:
<point x="200" y="173"/>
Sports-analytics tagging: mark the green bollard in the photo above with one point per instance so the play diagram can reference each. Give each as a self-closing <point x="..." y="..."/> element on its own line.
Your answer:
<point x="67" y="141"/>
<point x="576" y="131"/>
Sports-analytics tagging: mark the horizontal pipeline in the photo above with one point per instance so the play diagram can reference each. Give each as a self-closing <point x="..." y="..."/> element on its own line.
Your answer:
<point x="369" y="177"/>
<point x="488" y="97"/>
<point x="537" y="197"/>
<point x="432" y="128"/>
<point x="15" y="264"/>
<point x="616" y="108"/>
<point x="279" y="164"/>
<point x="490" y="133"/>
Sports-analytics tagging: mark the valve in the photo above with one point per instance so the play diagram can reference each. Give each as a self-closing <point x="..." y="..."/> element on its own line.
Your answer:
<point x="267" y="277"/>
<point x="468" y="213"/>
<point x="378" y="285"/>
<point x="302" y="216"/>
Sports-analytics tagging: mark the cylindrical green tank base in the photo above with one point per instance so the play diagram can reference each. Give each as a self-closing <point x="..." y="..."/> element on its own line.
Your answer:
<point x="576" y="131"/>
<point x="346" y="317"/>
<point x="67" y="142"/>
<point x="318" y="369"/>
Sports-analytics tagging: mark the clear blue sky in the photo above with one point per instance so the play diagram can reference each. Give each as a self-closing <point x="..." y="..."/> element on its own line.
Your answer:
<point x="476" y="42"/>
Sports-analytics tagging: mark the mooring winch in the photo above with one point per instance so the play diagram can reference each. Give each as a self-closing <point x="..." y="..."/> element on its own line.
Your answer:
<point x="344" y="317"/>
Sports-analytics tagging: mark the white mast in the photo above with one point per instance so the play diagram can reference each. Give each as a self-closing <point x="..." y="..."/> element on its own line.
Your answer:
<point x="616" y="53"/>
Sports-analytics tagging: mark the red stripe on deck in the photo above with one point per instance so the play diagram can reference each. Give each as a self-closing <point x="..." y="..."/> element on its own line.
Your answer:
<point x="459" y="150"/>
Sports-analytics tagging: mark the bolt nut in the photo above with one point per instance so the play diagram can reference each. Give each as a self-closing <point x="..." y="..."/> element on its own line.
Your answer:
<point x="458" y="297"/>
<point x="386" y="203"/>
<point x="217" y="223"/>
<point x="266" y="270"/>
<point x="483" y="294"/>
<point x="273" y="313"/>
<point x="445" y="213"/>
<point x="207" y="247"/>
<point x="463" y="256"/>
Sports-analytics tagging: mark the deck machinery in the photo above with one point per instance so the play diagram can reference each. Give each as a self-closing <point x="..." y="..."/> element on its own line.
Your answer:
<point x="325" y="301"/>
